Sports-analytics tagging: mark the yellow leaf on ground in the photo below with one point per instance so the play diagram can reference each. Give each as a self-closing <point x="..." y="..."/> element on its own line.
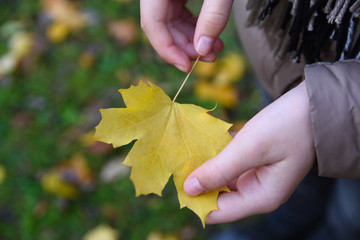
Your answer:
<point x="66" y="12"/>
<point x="52" y="182"/>
<point x="86" y="60"/>
<point x="102" y="232"/>
<point x="172" y="139"/>
<point x="226" y="96"/>
<point x="95" y="147"/>
<point x="21" y="44"/>
<point x="156" y="235"/>
<point x="2" y="174"/>
<point x="8" y="63"/>
<point x="124" y="31"/>
<point x="232" y="68"/>
<point x="206" y="69"/>
<point x="57" y="32"/>
<point x="79" y="165"/>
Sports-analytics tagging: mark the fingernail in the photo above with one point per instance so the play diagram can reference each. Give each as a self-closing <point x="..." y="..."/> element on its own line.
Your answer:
<point x="181" y="68"/>
<point x="192" y="187"/>
<point x="204" y="45"/>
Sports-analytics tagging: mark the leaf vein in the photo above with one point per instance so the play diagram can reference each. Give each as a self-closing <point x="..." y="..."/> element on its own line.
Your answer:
<point x="196" y="126"/>
<point x="182" y="136"/>
<point x="161" y="139"/>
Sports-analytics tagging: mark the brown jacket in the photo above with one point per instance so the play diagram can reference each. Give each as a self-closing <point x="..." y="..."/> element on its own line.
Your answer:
<point x="333" y="88"/>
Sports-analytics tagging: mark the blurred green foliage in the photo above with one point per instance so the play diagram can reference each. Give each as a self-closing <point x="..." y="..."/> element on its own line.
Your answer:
<point x="51" y="99"/>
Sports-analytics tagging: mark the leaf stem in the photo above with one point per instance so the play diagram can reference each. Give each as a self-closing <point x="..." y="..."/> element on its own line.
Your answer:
<point x="182" y="85"/>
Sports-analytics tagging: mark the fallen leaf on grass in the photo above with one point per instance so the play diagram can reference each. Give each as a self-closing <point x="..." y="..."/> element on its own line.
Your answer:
<point x="78" y="170"/>
<point x="66" y="12"/>
<point x="69" y="178"/>
<point x="124" y="31"/>
<point x="67" y="16"/>
<point x="216" y="81"/>
<point x="226" y="96"/>
<point x="206" y="69"/>
<point x="172" y="139"/>
<point x="57" y="32"/>
<point x="113" y="169"/>
<point x="21" y="44"/>
<point x="86" y="59"/>
<point x="157" y="235"/>
<point x="2" y="174"/>
<point x="53" y="182"/>
<point x="95" y="147"/>
<point x="102" y="232"/>
<point x="232" y="68"/>
<point x="8" y="63"/>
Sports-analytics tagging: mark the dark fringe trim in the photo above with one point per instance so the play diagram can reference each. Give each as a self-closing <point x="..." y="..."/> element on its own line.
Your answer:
<point x="269" y="6"/>
<point x="314" y="24"/>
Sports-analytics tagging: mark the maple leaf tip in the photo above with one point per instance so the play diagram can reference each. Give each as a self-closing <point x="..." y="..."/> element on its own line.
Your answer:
<point x="144" y="82"/>
<point x="122" y="90"/>
<point x="139" y="193"/>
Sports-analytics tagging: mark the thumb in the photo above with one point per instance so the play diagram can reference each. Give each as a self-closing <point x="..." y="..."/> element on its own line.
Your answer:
<point x="212" y="20"/>
<point x="237" y="158"/>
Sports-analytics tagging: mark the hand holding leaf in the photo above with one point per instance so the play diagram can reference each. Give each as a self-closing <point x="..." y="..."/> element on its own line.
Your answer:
<point x="172" y="139"/>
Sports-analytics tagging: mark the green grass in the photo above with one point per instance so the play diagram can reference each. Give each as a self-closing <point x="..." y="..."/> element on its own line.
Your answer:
<point x="47" y="103"/>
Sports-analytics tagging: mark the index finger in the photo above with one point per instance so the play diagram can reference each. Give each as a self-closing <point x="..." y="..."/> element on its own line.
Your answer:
<point x="154" y="23"/>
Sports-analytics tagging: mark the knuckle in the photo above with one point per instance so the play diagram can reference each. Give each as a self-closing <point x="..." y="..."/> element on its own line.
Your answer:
<point x="162" y="54"/>
<point x="215" y="18"/>
<point x="214" y="178"/>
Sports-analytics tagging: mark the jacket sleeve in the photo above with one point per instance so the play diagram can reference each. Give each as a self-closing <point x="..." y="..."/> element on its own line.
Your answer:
<point x="334" y="93"/>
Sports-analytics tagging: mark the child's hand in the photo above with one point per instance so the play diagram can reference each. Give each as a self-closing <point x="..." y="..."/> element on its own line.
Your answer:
<point x="263" y="164"/>
<point x="178" y="36"/>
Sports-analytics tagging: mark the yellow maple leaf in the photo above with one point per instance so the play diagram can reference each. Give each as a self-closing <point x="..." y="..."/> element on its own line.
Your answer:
<point x="172" y="139"/>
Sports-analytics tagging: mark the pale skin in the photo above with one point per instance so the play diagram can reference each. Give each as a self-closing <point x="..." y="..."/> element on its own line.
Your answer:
<point x="272" y="153"/>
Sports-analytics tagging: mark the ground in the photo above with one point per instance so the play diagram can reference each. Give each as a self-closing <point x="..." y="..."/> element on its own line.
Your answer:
<point x="60" y="62"/>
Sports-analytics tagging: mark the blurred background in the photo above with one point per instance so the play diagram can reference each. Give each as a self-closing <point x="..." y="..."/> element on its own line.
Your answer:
<point x="60" y="62"/>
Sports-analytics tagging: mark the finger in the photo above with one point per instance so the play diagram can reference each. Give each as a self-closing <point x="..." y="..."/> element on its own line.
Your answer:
<point x="243" y="203"/>
<point x="183" y="34"/>
<point x="211" y="57"/>
<point x="259" y="191"/>
<point x="153" y="22"/>
<point x="212" y="20"/>
<point x="240" y="155"/>
<point x="187" y="27"/>
<point x="219" y="45"/>
<point x="232" y="185"/>
<point x="269" y="137"/>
